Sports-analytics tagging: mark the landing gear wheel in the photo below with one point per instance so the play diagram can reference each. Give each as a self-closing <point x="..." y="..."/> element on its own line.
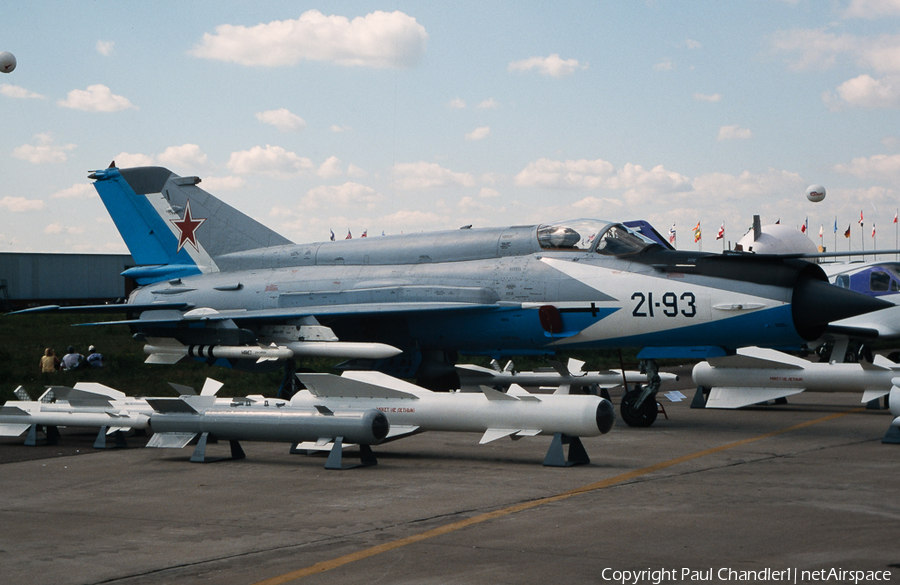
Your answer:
<point x="638" y="417"/>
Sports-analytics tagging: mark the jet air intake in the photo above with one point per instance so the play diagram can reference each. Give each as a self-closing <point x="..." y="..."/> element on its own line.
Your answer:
<point x="815" y="303"/>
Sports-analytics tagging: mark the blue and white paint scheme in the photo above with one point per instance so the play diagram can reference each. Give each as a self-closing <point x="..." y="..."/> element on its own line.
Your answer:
<point x="214" y="278"/>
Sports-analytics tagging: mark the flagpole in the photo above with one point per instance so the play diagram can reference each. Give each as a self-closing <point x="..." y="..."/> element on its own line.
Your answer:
<point x="835" y="234"/>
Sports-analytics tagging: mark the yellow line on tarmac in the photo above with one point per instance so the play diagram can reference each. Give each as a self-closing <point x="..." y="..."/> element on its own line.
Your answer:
<point x="454" y="526"/>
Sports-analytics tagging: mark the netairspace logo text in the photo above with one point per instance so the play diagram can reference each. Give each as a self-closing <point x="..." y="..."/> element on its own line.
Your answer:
<point x="725" y="574"/>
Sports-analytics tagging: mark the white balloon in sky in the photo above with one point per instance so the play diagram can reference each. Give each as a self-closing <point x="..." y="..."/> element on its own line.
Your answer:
<point x="7" y="62"/>
<point x="815" y="193"/>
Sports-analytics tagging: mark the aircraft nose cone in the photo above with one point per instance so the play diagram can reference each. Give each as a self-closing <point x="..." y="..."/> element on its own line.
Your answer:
<point x="606" y="416"/>
<point x="817" y="303"/>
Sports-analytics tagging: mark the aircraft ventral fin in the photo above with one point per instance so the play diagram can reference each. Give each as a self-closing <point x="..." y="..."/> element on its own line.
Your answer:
<point x="757" y="357"/>
<point x="729" y="397"/>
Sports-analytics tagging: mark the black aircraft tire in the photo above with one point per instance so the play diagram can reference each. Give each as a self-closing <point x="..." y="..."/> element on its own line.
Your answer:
<point x="638" y="417"/>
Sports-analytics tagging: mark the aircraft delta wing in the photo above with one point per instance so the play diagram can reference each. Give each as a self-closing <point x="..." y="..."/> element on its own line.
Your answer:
<point x="219" y="285"/>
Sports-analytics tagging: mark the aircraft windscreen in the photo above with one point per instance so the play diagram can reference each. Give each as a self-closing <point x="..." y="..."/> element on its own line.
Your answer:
<point x="578" y="234"/>
<point x="620" y="241"/>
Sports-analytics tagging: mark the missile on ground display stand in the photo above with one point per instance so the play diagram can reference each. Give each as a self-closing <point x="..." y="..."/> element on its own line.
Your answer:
<point x="411" y="409"/>
<point x="177" y="421"/>
<point x="756" y="375"/>
<point x="89" y="404"/>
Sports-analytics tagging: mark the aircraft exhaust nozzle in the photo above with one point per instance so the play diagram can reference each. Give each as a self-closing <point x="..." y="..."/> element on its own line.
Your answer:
<point x="606" y="416"/>
<point x="816" y="303"/>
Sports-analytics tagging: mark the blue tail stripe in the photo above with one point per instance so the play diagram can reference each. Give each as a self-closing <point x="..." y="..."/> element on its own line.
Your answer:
<point x="149" y="239"/>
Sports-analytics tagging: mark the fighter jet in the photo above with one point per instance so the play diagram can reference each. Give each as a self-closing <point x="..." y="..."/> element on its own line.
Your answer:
<point x="219" y="285"/>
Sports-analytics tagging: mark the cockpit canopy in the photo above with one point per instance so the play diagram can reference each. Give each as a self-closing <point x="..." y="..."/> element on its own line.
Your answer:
<point x="612" y="239"/>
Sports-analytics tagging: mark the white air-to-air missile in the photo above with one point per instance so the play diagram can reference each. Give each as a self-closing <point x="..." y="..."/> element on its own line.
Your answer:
<point x="178" y="421"/>
<point x="756" y="375"/>
<point x="516" y="413"/>
<point x="89" y="404"/>
<point x="170" y="351"/>
<point x="472" y="377"/>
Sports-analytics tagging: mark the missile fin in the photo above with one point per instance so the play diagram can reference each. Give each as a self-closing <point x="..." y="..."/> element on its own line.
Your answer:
<point x="183" y="390"/>
<point x="521" y="393"/>
<point x="210" y="387"/>
<point x="163" y="358"/>
<point x="563" y="389"/>
<point x="576" y="367"/>
<point x="21" y="394"/>
<point x="171" y="405"/>
<point x="398" y="431"/>
<point x="730" y="397"/>
<point x="560" y="369"/>
<point x="869" y="395"/>
<point x="331" y="386"/>
<point x="13" y="410"/>
<point x="527" y="433"/>
<point x="494" y="434"/>
<point x="11" y="430"/>
<point x="492" y="394"/>
<point x="170" y="440"/>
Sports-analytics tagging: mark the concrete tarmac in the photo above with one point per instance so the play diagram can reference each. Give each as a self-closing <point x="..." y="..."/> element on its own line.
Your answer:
<point x="805" y="486"/>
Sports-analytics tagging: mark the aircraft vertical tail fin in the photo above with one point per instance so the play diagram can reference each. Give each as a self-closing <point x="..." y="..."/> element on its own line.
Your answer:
<point x="172" y="227"/>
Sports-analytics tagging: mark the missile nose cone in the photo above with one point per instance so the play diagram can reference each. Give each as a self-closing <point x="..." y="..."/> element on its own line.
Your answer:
<point x="816" y="303"/>
<point x="606" y="416"/>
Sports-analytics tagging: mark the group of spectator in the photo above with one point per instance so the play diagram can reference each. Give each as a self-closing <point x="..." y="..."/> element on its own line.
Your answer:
<point x="71" y="361"/>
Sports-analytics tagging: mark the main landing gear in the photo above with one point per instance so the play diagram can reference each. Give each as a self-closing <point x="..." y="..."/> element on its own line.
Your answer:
<point x="638" y="408"/>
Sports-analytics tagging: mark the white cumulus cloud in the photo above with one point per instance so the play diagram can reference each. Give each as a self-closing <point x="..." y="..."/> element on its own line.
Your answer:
<point x="879" y="166"/>
<point x="127" y="159"/>
<point x="213" y="184"/>
<point x="44" y="150"/>
<point x="423" y="175"/>
<point x="346" y="195"/>
<point x="733" y="132"/>
<point x="569" y="174"/>
<point x="330" y="168"/>
<point x="21" y="205"/>
<point x="96" y="98"/>
<point x="866" y="92"/>
<point x="872" y="9"/>
<point x="14" y="91"/>
<point x="105" y="48"/>
<point x="379" y="40"/>
<point x="702" y="97"/>
<point x="184" y="156"/>
<point x="554" y="65"/>
<point x="479" y="133"/>
<point x="271" y="160"/>
<point x="76" y="191"/>
<point x="283" y="119"/>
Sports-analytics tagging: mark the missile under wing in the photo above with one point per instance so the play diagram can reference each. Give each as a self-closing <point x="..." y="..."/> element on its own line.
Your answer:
<point x="215" y="282"/>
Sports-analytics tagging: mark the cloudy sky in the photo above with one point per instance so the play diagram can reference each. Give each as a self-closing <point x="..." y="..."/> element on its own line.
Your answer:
<point x="416" y="116"/>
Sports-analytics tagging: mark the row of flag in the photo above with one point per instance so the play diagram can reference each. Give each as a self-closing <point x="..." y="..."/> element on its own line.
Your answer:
<point x="349" y="235"/>
<point x="698" y="233"/>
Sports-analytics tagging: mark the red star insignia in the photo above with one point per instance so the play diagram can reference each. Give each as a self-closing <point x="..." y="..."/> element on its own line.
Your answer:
<point x="187" y="228"/>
